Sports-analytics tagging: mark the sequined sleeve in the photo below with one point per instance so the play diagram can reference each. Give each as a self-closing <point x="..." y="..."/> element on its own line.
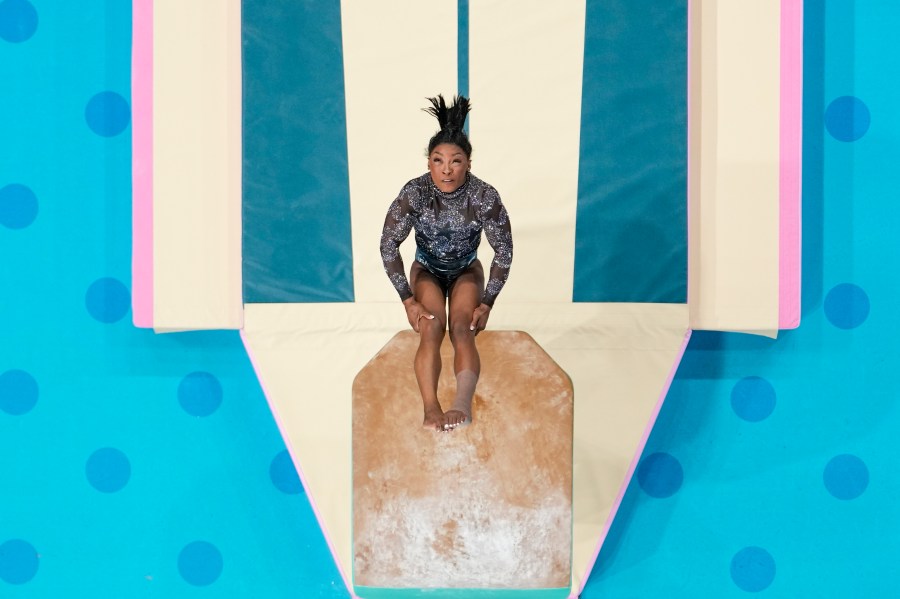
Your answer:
<point x="397" y="225"/>
<point x="495" y="221"/>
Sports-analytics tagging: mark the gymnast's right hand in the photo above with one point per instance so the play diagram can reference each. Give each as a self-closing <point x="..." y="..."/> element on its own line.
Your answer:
<point x="414" y="312"/>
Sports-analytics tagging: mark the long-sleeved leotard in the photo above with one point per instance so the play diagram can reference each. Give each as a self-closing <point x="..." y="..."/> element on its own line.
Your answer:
<point x="448" y="226"/>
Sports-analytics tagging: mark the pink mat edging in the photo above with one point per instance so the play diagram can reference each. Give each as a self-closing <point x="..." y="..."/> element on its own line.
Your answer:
<point x="634" y="461"/>
<point x="142" y="164"/>
<point x="790" y="181"/>
<point x="306" y="488"/>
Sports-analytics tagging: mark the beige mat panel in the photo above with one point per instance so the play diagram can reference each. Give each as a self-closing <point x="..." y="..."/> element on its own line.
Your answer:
<point x="390" y="66"/>
<point x="618" y="356"/>
<point x="525" y="68"/>
<point x="735" y="128"/>
<point x="197" y="164"/>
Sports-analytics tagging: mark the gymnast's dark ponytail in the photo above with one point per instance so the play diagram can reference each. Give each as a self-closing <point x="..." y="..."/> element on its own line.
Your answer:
<point x="452" y="119"/>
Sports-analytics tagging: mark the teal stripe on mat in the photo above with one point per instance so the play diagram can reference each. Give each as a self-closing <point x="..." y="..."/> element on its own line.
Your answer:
<point x="462" y="49"/>
<point x="296" y="204"/>
<point x="631" y="229"/>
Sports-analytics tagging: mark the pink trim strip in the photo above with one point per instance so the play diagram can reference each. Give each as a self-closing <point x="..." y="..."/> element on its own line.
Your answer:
<point x="283" y="430"/>
<point x="142" y="164"/>
<point x="634" y="461"/>
<point x="790" y="162"/>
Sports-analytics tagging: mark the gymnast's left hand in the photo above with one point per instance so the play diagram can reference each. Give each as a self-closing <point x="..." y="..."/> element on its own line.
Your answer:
<point x="480" y="318"/>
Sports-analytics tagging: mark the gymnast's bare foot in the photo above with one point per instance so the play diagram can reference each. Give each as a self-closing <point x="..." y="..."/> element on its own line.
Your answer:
<point x="434" y="418"/>
<point x="455" y="418"/>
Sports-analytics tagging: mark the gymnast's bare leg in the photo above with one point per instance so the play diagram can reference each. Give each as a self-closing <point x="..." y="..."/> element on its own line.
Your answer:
<point x="465" y="298"/>
<point x="429" y="319"/>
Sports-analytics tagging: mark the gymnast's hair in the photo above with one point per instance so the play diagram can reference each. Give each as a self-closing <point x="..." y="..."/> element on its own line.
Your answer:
<point x="451" y="119"/>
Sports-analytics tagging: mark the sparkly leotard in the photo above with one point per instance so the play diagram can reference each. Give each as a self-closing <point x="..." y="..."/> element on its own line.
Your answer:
<point x="448" y="230"/>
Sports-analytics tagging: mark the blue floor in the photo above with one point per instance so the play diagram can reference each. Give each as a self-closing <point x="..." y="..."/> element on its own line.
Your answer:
<point x="772" y="467"/>
<point x="131" y="464"/>
<point x="142" y="465"/>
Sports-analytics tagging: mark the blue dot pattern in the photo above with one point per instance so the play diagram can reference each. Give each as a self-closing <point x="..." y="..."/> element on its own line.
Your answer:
<point x="108" y="470"/>
<point x="107" y="300"/>
<point x="660" y="475"/>
<point x="107" y="114"/>
<point x="18" y="206"/>
<point x="753" y="569"/>
<point x="284" y="475"/>
<point x="815" y="483"/>
<point x="18" y="20"/>
<point x="200" y="563"/>
<point x="104" y="480"/>
<point x="18" y="392"/>
<point x="200" y="393"/>
<point x="846" y="476"/>
<point x="847" y="118"/>
<point x="753" y="398"/>
<point x="18" y="561"/>
<point x="846" y="306"/>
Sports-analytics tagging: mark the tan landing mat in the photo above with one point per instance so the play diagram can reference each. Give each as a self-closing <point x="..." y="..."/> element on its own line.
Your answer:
<point x="485" y="506"/>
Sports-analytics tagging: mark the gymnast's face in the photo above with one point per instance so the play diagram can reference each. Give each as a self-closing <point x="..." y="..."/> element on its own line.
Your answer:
<point x="448" y="165"/>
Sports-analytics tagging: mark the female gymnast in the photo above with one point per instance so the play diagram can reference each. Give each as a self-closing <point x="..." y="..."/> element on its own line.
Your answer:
<point x="448" y="207"/>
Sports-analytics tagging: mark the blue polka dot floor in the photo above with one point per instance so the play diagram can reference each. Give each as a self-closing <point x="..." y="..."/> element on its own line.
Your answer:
<point x="771" y="469"/>
<point x="133" y="464"/>
<point x="143" y="465"/>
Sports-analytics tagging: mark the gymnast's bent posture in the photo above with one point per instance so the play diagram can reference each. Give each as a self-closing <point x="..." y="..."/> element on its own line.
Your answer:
<point x="448" y="207"/>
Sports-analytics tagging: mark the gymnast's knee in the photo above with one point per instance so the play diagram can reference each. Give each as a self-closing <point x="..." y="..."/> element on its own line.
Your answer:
<point x="460" y="331"/>
<point x="432" y="329"/>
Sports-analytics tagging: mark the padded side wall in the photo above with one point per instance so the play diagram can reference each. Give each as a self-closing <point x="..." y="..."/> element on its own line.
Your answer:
<point x="196" y="165"/>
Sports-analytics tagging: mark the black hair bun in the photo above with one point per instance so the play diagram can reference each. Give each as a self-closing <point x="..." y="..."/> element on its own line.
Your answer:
<point x="450" y="118"/>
